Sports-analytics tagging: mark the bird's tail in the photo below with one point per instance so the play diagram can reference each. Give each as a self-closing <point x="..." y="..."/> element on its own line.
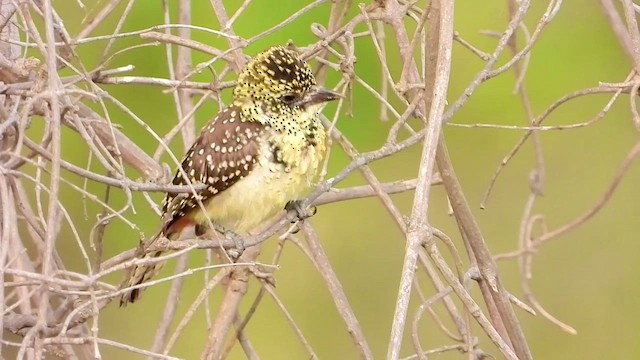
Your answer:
<point x="140" y="274"/>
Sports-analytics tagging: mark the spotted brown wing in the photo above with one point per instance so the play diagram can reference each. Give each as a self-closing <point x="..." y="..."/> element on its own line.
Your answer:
<point x="225" y="151"/>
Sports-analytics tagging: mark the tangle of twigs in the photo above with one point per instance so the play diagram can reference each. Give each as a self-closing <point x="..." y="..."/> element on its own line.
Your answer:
<point x="49" y="307"/>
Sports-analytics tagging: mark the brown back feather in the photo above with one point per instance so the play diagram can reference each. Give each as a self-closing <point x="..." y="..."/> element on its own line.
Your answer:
<point x="226" y="151"/>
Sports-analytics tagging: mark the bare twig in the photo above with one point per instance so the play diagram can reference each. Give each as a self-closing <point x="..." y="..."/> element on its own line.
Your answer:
<point x="441" y="33"/>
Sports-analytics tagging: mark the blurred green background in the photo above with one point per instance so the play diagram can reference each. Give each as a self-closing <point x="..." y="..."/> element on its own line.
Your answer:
<point x="586" y="278"/>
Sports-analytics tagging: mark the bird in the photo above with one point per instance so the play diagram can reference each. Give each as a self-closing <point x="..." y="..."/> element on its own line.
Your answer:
<point x="254" y="157"/>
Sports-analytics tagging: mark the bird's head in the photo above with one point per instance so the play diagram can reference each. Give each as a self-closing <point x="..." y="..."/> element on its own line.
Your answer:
<point x="279" y="82"/>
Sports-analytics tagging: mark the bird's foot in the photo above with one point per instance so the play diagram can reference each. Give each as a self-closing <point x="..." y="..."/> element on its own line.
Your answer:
<point x="234" y="253"/>
<point x="302" y="212"/>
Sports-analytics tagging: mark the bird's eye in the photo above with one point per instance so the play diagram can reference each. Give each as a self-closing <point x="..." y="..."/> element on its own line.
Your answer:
<point x="288" y="98"/>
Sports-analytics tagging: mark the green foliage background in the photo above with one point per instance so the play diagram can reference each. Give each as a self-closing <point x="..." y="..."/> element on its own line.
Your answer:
<point x="587" y="278"/>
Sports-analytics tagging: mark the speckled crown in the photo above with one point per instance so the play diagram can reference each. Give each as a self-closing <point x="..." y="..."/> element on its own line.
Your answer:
<point x="275" y="71"/>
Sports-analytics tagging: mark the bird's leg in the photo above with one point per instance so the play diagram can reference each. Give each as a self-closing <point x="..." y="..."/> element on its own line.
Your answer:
<point x="202" y="229"/>
<point x="302" y="212"/>
<point x="237" y="240"/>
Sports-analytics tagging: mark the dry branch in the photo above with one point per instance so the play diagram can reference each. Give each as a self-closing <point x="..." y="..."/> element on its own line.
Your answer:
<point x="52" y="308"/>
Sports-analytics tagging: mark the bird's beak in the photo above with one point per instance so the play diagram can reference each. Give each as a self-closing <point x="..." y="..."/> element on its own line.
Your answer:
<point x="318" y="96"/>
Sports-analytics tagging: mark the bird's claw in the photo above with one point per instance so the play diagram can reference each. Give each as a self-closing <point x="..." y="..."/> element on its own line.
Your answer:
<point x="235" y="252"/>
<point x="301" y="212"/>
<point x="238" y="242"/>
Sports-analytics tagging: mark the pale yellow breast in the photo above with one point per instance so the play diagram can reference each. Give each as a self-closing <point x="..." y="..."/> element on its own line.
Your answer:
<point x="266" y="190"/>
